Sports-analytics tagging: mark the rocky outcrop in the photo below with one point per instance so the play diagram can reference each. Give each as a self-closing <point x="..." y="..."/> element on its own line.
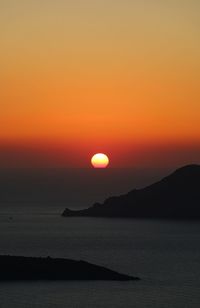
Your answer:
<point x="27" y="268"/>
<point x="177" y="196"/>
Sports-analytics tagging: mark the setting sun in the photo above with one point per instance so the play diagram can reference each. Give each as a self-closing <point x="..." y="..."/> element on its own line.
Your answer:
<point x="100" y="160"/>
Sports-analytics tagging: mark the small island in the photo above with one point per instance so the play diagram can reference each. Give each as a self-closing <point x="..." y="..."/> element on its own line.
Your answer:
<point x="14" y="268"/>
<point x="176" y="196"/>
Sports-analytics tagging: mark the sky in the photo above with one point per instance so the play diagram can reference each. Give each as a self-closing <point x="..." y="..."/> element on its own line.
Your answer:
<point x="81" y="77"/>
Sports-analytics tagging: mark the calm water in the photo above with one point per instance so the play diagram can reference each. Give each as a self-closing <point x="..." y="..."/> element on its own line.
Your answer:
<point x="166" y="255"/>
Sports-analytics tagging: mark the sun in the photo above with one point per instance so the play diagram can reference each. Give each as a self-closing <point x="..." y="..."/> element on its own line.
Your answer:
<point x="100" y="160"/>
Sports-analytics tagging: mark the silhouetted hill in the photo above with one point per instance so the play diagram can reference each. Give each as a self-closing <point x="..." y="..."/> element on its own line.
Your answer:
<point x="177" y="196"/>
<point x="26" y="268"/>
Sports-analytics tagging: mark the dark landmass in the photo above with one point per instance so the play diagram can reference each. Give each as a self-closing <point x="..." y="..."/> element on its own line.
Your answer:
<point x="177" y="196"/>
<point x="27" y="268"/>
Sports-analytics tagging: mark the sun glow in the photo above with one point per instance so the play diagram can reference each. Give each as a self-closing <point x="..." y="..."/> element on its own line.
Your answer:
<point x="100" y="160"/>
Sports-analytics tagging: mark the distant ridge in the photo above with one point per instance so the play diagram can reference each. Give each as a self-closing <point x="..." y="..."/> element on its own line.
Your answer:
<point x="176" y="196"/>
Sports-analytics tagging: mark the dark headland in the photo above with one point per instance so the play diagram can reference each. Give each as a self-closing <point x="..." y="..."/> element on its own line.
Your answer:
<point x="176" y="196"/>
<point x="27" y="268"/>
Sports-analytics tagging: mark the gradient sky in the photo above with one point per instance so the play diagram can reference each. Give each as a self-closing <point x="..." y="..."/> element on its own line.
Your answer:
<point x="79" y="77"/>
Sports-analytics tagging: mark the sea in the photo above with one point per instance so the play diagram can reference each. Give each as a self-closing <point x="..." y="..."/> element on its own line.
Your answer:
<point x="164" y="254"/>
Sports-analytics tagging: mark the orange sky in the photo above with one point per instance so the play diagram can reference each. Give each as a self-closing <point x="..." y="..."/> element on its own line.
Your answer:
<point x="79" y="77"/>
